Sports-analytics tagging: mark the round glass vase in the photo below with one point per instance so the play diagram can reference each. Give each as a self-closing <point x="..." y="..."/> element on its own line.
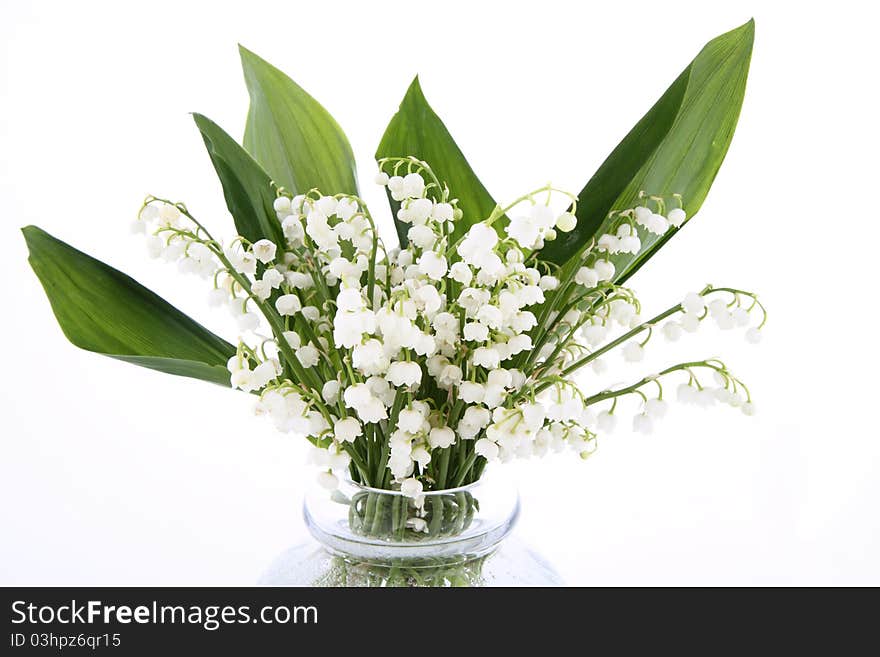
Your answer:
<point x="371" y="537"/>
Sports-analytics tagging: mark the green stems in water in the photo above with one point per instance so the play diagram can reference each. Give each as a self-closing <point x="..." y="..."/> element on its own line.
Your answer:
<point x="379" y="515"/>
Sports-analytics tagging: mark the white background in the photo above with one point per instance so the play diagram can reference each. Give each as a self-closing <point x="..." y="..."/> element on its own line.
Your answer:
<point x="112" y="474"/>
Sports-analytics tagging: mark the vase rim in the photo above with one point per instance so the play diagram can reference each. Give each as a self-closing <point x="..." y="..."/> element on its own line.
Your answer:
<point x="443" y="491"/>
<point x="328" y="519"/>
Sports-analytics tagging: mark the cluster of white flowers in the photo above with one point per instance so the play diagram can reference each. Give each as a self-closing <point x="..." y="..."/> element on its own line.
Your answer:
<point x="727" y="315"/>
<point x="412" y="367"/>
<point x="170" y="238"/>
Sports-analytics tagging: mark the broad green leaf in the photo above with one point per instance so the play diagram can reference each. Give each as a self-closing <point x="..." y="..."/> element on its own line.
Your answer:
<point x="417" y="130"/>
<point x="101" y="309"/>
<point x="292" y="137"/>
<point x="246" y="187"/>
<point x="677" y="147"/>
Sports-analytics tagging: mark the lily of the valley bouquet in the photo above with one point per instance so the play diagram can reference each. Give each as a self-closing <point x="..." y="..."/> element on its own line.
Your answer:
<point x="414" y="366"/>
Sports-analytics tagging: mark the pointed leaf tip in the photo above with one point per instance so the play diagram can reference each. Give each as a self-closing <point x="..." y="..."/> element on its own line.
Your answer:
<point x="416" y="130"/>
<point x="100" y="309"/>
<point x="292" y="136"/>
<point x="414" y="92"/>
<point x="676" y="148"/>
<point x="246" y="53"/>
<point x="247" y="188"/>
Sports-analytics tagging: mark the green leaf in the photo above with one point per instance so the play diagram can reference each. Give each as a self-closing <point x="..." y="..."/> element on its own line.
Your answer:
<point x="417" y="130"/>
<point x="292" y="137"/>
<point x="677" y="147"/>
<point x="246" y="187"/>
<point x="101" y="309"/>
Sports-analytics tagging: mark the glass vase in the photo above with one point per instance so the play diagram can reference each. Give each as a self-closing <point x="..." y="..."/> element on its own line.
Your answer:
<point x="370" y="537"/>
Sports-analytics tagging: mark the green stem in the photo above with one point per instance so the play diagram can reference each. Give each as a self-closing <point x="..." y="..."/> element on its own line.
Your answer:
<point x="612" y="394"/>
<point x="608" y="347"/>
